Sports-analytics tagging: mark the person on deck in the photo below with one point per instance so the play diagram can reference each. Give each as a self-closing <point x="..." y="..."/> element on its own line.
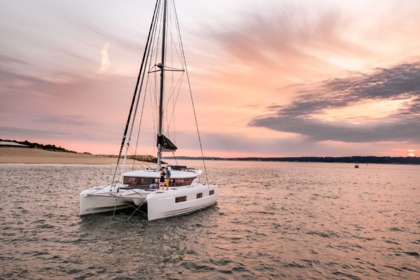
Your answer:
<point x="162" y="179"/>
<point x="168" y="178"/>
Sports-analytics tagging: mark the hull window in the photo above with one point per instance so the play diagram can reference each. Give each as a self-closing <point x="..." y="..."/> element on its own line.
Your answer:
<point x="211" y="192"/>
<point x="199" y="195"/>
<point x="180" y="199"/>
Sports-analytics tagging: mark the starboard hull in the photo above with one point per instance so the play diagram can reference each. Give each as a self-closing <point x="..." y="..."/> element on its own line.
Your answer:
<point x="180" y="202"/>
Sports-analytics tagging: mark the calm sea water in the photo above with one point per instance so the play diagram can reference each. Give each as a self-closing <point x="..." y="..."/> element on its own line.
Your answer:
<point x="272" y="220"/>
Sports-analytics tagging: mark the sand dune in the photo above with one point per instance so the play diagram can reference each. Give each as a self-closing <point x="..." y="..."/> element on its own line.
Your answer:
<point x="38" y="156"/>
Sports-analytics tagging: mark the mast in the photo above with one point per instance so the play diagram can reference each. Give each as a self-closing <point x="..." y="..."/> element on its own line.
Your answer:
<point x="162" y="79"/>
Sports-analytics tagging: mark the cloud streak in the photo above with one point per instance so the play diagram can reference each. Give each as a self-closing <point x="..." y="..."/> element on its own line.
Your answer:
<point x="401" y="82"/>
<point x="104" y="58"/>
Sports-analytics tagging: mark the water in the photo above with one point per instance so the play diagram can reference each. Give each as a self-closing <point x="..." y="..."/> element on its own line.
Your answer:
<point x="272" y="220"/>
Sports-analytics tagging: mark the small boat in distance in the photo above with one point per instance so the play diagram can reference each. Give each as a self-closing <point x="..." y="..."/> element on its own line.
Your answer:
<point x="185" y="192"/>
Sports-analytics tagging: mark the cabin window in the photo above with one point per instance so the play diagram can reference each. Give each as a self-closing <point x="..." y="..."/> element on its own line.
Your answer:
<point x="199" y="195"/>
<point x="180" y="199"/>
<point x="183" y="181"/>
<point x="211" y="192"/>
<point x="138" y="181"/>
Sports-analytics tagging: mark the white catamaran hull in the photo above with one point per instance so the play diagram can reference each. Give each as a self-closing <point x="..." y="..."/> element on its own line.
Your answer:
<point x="160" y="204"/>
<point x="100" y="200"/>
<point x="180" y="201"/>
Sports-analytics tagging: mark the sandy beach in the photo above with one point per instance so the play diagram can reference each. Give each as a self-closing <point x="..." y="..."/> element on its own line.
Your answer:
<point x="38" y="156"/>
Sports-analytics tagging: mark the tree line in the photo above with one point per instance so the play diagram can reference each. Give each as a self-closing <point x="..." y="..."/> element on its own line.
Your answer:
<point x="47" y="147"/>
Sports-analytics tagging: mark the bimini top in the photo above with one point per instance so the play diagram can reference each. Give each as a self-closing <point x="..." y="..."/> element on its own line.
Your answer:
<point x="175" y="174"/>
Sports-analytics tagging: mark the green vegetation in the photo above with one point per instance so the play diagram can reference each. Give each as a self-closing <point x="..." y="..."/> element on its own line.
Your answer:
<point x="54" y="148"/>
<point x="47" y="147"/>
<point x="145" y="158"/>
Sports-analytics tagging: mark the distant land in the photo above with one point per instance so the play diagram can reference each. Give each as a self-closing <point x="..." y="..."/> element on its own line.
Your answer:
<point x="350" y="159"/>
<point x="54" y="148"/>
<point x="152" y="159"/>
<point x="47" y="147"/>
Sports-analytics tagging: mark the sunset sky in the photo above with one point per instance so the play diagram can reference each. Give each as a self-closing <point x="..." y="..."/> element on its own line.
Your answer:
<point x="269" y="77"/>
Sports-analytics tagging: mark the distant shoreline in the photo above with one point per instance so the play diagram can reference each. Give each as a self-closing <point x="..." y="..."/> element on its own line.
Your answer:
<point x="9" y="155"/>
<point x="351" y="159"/>
<point x="17" y="155"/>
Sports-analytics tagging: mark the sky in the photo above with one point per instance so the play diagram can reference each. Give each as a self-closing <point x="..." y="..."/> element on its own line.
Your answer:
<point x="270" y="78"/>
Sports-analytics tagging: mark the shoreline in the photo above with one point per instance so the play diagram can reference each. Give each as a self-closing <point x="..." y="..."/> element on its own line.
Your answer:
<point x="17" y="155"/>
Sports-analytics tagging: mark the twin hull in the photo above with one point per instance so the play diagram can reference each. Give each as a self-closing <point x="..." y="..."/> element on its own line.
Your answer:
<point x="160" y="204"/>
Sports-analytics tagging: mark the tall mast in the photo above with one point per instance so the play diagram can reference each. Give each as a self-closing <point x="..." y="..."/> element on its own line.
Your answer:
<point x="162" y="79"/>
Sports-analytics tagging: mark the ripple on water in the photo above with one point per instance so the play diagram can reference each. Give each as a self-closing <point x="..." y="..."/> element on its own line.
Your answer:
<point x="272" y="220"/>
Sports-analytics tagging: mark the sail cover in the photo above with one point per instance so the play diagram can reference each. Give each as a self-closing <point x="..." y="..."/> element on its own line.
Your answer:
<point x="166" y="144"/>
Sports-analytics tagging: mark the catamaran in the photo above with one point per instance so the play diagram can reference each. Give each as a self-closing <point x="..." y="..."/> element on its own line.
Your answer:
<point x="187" y="189"/>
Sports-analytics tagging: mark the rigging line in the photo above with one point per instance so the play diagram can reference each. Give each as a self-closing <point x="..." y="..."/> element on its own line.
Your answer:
<point x="169" y="98"/>
<point x="152" y="64"/>
<point x="171" y="69"/>
<point x="153" y="102"/>
<point x="104" y="186"/>
<point x="152" y="53"/>
<point x="175" y="47"/>
<point x="135" y="94"/>
<point x="175" y="88"/>
<point x="141" y="118"/>
<point x="137" y="209"/>
<point x="152" y="82"/>
<point x="176" y="159"/>
<point x="192" y="99"/>
<point x="156" y="42"/>
<point x="175" y="93"/>
<point x="156" y="47"/>
<point x="115" y="205"/>
<point x="138" y="99"/>
<point x="115" y="209"/>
